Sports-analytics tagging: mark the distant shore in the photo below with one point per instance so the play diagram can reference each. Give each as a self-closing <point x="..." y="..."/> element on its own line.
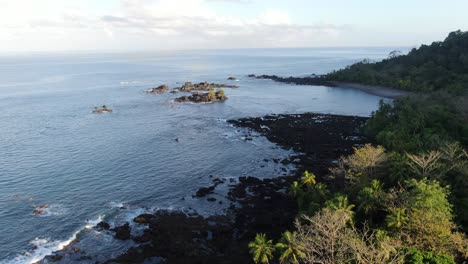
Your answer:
<point x="382" y="91"/>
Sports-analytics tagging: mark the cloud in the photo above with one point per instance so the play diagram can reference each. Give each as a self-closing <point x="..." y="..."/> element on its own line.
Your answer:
<point x="151" y="24"/>
<point x="198" y="24"/>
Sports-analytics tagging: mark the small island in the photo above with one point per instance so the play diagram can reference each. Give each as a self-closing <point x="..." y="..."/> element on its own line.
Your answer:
<point x="203" y="86"/>
<point x="209" y="97"/>
<point x="102" y="110"/>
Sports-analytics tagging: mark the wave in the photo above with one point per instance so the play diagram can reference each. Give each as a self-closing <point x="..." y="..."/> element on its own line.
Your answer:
<point x="44" y="247"/>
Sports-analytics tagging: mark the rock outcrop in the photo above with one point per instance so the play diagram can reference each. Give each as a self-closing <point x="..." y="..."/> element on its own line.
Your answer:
<point x="204" y="86"/>
<point x="103" y="109"/>
<point x="158" y="90"/>
<point x="209" y="97"/>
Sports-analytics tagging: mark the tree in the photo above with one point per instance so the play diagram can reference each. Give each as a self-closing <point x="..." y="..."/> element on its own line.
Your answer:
<point x="295" y="189"/>
<point x="397" y="217"/>
<point x="370" y="198"/>
<point x="425" y="164"/>
<point x="330" y="237"/>
<point x="340" y="203"/>
<point x="289" y="248"/>
<point x="394" y="54"/>
<point x="424" y="219"/>
<point x="262" y="249"/>
<point x="322" y="237"/>
<point x="308" y="179"/>
<point x="362" y="164"/>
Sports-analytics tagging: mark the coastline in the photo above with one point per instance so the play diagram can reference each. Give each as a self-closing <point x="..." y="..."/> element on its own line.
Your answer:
<point x="256" y="205"/>
<point x="386" y="92"/>
<point x="381" y="91"/>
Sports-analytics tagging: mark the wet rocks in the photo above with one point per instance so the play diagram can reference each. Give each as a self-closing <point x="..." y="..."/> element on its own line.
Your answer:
<point x="40" y="209"/>
<point x="232" y="78"/>
<point x="122" y="232"/>
<point x="320" y="139"/>
<point x="143" y="219"/>
<point x="145" y="237"/>
<point x="204" y="191"/>
<point x="102" y="110"/>
<point x="158" y="90"/>
<point x="103" y="225"/>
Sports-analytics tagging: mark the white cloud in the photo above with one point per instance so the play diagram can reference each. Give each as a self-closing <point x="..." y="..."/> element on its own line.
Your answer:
<point x="148" y="24"/>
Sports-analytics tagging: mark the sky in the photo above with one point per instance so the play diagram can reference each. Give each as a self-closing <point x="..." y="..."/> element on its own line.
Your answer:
<point x="151" y="25"/>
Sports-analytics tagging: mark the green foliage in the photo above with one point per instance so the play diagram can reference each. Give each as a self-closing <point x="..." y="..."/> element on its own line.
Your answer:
<point x="397" y="217"/>
<point x="439" y="66"/>
<point x="211" y="94"/>
<point x="414" y="256"/>
<point x="340" y="203"/>
<point x="290" y="251"/>
<point x="220" y="92"/>
<point x="308" y="179"/>
<point x="262" y="249"/>
<point x="418" y="123"/>
<point x="371" y="198"/>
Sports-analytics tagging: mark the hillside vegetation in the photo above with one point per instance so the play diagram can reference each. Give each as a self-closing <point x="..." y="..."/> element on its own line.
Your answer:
<point x="405" y="198"/>
<point x="443" y="65"/>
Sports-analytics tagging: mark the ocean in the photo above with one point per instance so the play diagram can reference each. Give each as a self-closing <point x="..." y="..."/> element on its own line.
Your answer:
<point x="90" y="167"/>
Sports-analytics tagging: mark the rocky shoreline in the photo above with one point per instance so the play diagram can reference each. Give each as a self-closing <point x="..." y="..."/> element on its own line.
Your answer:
<point x="257" y="206"/>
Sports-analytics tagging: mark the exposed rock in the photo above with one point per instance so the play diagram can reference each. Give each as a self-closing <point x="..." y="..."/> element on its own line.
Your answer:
<point x="314" y="80"/>
<point x="158" y="90"/>
<point x="145" y="237"/>
<point x="103" y="225"/>
<point x="232" y="78"/>
<point x="204" y="86"/>
<point x="175" y="90"/>
<point x="122" y="232"/>
<point x="211" y="199"/>
<point x="103" y="109"/>
<point x="209" y="97"/>
<point x="40" y="209"/>
<point x="204" y="191"/>
<point x="143" y="219"/>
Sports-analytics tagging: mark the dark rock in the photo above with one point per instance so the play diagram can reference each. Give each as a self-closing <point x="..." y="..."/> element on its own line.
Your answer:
<point x="103" y="225"/>
<point x="204" y="191"/>
<point x="232" y="78"/>
<point x="143" y="219"/>
<point x="203" y="86"/>
<point x="145" y="237"/>
<point x="211" y="199"/>
<point x="158" y="90"/>
<point x="122" y="232"/>
<point x="102" y="110"/>
<point x="317" y="80"/>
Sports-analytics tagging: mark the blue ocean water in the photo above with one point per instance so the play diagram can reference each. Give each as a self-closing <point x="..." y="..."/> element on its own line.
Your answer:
<point x="88" y="167"/>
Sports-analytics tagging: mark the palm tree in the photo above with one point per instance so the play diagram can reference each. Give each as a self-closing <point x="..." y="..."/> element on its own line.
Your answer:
<point x="340" y="203"/>
<point x="261" y="249"/>
<point x="308" y="179"/>
<point x="370" y="197"/>
<point x="291" y="252"/>
<point x="397" y="217"/>
<point x="295" y="189"/>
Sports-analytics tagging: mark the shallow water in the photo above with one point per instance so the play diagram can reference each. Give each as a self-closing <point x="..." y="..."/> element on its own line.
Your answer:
<point x="88" y="167"/>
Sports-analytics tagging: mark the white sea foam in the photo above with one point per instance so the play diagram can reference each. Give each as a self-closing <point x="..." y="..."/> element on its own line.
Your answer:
<point x="44" y="246"/>
<point x="117" y="205"/>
